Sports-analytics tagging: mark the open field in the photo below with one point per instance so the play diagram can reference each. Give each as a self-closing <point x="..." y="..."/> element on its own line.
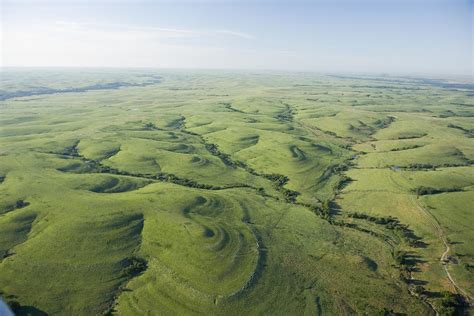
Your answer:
<point x="181" y="193"/>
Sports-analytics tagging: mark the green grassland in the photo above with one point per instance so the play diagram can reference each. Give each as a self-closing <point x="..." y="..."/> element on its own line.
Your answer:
<point x="184" y="193"/>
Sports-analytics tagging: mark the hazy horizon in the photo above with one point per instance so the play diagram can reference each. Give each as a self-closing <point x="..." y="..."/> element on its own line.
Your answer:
<point x="431" y="37"/>
<point x="256" y="71"/>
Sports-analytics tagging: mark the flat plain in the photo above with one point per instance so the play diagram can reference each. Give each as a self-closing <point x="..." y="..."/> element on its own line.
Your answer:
<point x="147" y="192"/>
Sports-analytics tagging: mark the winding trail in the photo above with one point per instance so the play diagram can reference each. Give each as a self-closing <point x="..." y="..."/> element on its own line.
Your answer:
<point x="444" y="259"/>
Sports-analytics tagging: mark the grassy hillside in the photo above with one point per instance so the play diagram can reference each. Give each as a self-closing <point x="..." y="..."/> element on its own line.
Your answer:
<point x="176" y="193"/>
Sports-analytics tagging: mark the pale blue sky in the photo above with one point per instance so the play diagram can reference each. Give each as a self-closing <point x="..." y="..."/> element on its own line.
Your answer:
<point x="392" y="36"/>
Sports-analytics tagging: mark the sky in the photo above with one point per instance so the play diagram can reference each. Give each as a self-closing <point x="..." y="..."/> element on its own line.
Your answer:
<point x="365" y="36"/>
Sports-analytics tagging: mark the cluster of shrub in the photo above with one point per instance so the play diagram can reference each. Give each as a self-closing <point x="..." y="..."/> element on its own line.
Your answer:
<point x="279" y="181"/>
<point x="184" y="182"/>
<point x="133" y="266"/>
<point x="338" y="168"/>
<point x="225" y="158"/>
<point x="389" y="312"/>
<point x="151" y="127"/>
<point x="68" y="151"/>
<point x="406" y="267"/>
<point x="326" y="214"/>
<point x="229" y="106"/>
<point x="342" y="183"/>
<point x="427" y="166"/>
<point x="332" y="170"/>
<point x="327" y="206"/>
<point x="428" y="190"/>
<point x="468" y="266"/>
<point x="362" y="128"/>
<point x="18" y="204"/>
<point x="323" y="211"/>
<point x="178" y="124"/>
<point x="21" y="204"/>
<point x="452" y="304"/>
<point x="385" y="122"/>
<point x="391" y="223"/>
<point x="290" y="195"/>
<point x="406" y="147"/>
<point x="286" y="114"/>
<point x="412" y="136"/>
<point x="332" y="134"/>
<point x="421" y="166"/>
<point x="449" y="304"/>
<point x="469" y="132"/>
<point x="400" y="257"/>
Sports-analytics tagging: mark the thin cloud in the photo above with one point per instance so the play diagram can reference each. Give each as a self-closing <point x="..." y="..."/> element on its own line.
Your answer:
<point x="69" y="43"/>
<point x="161" y="32"/>
<point x="236" y="34"/>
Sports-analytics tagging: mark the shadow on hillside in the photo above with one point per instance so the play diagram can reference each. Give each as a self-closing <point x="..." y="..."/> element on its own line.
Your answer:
<point x="334" y="208"/>
<point x="412" y="259"/>
<point x="23" y="310"/>
<point x="418" y="282"/>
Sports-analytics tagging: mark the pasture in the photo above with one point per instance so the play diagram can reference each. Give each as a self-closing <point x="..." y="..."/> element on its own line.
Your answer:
<point x="182" y="193"/>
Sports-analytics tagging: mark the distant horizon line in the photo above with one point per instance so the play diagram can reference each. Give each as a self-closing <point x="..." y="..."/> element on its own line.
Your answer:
<point x="248" y="70"/>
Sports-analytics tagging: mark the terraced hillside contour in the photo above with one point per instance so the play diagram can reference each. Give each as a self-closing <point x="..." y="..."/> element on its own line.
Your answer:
<point x="222" y="193"/>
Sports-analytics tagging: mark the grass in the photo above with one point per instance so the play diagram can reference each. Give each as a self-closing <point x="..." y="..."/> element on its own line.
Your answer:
<point x="232" y="193"/>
